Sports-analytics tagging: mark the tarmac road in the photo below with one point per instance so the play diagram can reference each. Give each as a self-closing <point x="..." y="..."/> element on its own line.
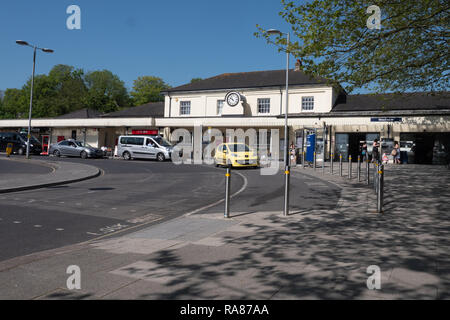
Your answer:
<point x="130" y="194"/>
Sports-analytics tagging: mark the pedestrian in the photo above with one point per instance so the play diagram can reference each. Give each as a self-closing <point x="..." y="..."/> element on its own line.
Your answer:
<point x="293" y="154"/>
<point x="364" y="151"/>
<point x="375" y="151"/>
<point x="396" y="153"/>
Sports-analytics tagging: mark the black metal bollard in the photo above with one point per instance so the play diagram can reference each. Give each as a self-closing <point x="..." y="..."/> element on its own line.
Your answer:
<point x="314" y="161"/>
<point x="303" y="161"/>
<point x="368" y="172"/>
<point x="350" y="167"/>
<point x="340" y="165"/>
<point x="359" y="169"/>
<point x="375" y="177"/>
<point x="227" y="192"/>
<point x="331" y="163"/>
<point x="323" y="163"/>
<point x="380" y="193"/>
<point x="287" y="174"/>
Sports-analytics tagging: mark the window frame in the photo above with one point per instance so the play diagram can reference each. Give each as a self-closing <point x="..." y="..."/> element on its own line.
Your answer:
<point x="183" y="107"/>
<point x="221" y="108"/>
<point x="308" y="103"/>
<point x="262" y="102"/>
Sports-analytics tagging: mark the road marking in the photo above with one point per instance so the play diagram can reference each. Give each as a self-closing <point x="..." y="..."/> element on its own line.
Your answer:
<point x="16" y="222"/>
<point x="59" y="229"/>
<point x="221" y="200"/>
<point x="37" y="226"/>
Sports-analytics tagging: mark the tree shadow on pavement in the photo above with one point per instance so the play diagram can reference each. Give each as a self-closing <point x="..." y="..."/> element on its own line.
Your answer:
<point x="324" y="254"/>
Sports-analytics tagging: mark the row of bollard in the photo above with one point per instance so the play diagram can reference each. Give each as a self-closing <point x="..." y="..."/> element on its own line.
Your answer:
<point x="378" y="179"/>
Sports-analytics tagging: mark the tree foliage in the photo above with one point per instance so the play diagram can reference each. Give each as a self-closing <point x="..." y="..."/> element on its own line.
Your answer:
<point x="409" y="52"/>
<point x="14" y="104"/>
<point x="106" y="92"/>
<point x="148" y="89"/>
<point x="65" y="89"/>
<point x="196" y="80"/>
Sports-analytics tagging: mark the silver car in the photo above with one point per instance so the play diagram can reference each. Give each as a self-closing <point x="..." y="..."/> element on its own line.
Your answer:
<point x="74" y="148"/>
<point x="144" y="147"/>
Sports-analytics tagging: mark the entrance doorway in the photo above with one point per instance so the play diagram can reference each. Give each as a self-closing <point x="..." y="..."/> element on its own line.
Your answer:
<point x="426" y="147"/>
<point x="355" y="141"/>
<point x="423" y="153"/>
<point x="349" y="144"/>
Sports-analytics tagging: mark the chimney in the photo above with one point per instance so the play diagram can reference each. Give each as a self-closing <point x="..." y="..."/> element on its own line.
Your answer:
<point x="298" y="65"/>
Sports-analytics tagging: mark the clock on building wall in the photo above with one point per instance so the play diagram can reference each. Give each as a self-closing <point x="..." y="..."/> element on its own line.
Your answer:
<point x="233" y="98"/>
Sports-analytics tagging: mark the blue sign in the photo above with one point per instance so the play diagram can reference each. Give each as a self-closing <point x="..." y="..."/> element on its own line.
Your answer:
<point x="310" y="147"/>
<point x="386" y="119"/>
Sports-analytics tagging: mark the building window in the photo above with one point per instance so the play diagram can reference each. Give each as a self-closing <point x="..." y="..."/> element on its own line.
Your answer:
<point x="185" y="107"/>
<point x="263" y="105"/>
<point x="308" y="103"/>
<point x="220" y="106"/>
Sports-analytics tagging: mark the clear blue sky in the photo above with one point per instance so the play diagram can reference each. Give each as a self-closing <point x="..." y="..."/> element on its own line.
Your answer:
<point x="176" y="40"/>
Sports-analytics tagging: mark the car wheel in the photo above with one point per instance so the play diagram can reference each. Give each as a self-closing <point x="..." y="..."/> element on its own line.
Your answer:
<point x="56" y="153"/>
<point x="126" y="155"/>
<point x="20" y="152"/>
<point x="160" y="157"/>
<point x="83" y="155"/>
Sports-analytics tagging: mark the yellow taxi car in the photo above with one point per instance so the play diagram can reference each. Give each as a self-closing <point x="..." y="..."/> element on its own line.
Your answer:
<point x="236" y="154"/>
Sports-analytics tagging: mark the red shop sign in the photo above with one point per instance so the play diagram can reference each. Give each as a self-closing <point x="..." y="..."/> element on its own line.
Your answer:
<point x="145" y="132"/>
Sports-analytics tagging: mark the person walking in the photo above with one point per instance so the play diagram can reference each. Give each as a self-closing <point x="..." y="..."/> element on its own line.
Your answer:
<point x="364" y="151"/>
<point x="375" y="151"/>
<point x="396" y="153"/>
<point x="293" y="155"/>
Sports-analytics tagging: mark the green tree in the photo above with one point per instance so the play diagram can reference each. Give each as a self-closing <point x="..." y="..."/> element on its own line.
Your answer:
<point x="196" y="80"/>
<point x="106" y="92"/>
<point x="148" y="89"/>
<point x="409" y="51"/>
<point x="14" y="104"/>
<point x="70" y="89"/>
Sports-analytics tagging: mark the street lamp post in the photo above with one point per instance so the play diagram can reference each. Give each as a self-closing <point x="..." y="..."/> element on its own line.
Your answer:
<point x="24" y="43"/>
<point x="286" y="131"/>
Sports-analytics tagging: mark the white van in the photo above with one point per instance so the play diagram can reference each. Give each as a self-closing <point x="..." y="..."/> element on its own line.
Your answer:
<point x="144" y="147"/>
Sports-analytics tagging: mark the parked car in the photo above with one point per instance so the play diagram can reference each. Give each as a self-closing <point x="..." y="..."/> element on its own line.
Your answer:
<point x="144" y="147"/>
<point x="74" y="148"/>
<point x="236" y="155"/>
<point x="19" y="141"/>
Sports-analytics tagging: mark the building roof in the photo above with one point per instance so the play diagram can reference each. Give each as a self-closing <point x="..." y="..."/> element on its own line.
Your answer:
<point x="152" y="109"/>
<point x="81" y="114"/>
<point x="255" y="79"/>
<point x="393" y="101"/>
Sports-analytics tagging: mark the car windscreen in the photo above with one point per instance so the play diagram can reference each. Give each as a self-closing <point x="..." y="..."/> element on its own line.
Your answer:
<point x="33" y="140"/>
<point x="238" y="147"/>
<point x="83" y="144"/>
<point x="162" y="142"/>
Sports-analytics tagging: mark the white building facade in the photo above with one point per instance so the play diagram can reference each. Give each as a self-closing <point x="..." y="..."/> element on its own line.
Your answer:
<point x="340" y="122"/>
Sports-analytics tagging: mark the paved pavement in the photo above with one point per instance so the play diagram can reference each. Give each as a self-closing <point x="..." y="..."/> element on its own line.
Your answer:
<point x="315" y="253"/>
<point x="18" y="174"/>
